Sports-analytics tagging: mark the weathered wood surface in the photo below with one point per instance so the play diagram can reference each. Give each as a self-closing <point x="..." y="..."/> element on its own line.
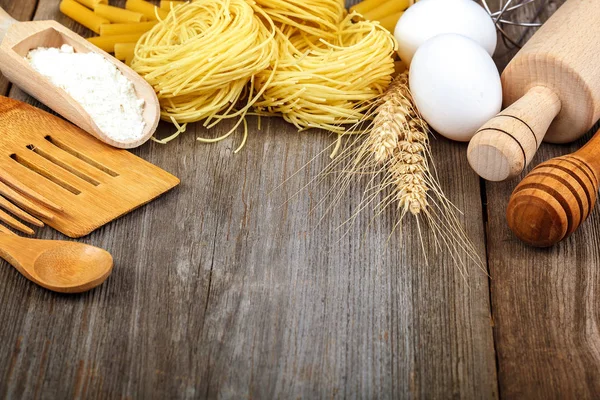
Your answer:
<point x="544" y="302"/>
<point x="223" y="289"/>
<point x="21" y="11"/>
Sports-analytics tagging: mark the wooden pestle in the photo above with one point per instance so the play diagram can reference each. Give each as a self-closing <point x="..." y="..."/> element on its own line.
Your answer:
<point x="556" y="197"/>
<point x="551" y="89"/>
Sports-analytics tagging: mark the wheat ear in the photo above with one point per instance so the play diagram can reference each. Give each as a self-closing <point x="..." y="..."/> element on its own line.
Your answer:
<point x="393" y="160"/>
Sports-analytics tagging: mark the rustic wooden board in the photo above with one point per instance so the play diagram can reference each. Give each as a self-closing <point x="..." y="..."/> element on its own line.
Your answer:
<point x="21" y="11"/>
<point x="544" y="302"/>
<point x="545" y="305"/>
<point x="225" y="289"/>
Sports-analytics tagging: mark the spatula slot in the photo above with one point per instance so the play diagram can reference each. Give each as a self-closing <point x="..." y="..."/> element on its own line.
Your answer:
<point x="81" y="156"/>
<point x="63" y="165"/>
<point x="45" y="174"/>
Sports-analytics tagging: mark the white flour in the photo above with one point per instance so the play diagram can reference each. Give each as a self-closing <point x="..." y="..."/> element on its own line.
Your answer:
<point x="101" y="89"/>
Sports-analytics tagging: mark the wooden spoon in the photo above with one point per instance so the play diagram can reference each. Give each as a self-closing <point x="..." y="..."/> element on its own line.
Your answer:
<point x="66" y="267"/>
<point x="554" y="199"/>
<point x="18" y="38"/>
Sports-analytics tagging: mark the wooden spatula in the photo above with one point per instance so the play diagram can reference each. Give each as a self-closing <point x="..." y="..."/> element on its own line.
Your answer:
<point x="90" y="181"/>
<point x="16" y="205"/>
<point x="18" y="38"/>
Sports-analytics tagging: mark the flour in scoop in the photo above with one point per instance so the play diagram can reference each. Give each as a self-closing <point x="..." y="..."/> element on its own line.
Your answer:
<point x="101" y="89"/>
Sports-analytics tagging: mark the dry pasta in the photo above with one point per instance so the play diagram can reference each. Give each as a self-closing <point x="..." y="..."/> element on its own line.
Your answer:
<point x="124" y="51"/>
<point x="320" y="84"/>
<point x="202" y="58"/>
<point x="149" y="10"/>
<point x="315" y="17"/>
<point x="168" y="4"/>
<point x="384" y="10"/>
<point x="83" y="15"/>
<point x="116" y="14"/>
<point x="210" y="60"/>
<point x="92" y="3"/>
<point x="107" y="43"/>
<point x="126" y="28"/>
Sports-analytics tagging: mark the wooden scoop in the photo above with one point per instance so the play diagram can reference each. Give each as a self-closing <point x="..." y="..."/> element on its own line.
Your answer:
<point x="556" y="196"/>
<point x="65" y="267"/>
<point x="18" y="38"/>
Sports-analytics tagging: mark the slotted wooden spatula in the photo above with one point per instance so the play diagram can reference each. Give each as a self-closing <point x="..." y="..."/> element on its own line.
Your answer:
<point x="89" y="182"/>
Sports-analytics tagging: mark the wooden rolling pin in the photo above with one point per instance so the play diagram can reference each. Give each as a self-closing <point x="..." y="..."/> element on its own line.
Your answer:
<point x="553" y="88"/>
<point x="556" y="196"/>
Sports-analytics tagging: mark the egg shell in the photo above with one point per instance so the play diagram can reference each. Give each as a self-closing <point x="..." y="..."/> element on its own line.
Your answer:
<point x="455" y="85"/>
<point x="430" y="18"/>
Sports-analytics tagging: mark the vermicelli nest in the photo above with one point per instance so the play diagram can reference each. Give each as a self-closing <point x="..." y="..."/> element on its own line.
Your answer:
<point x="201" y="58"/>
<point x="302" y="59"/>
<point x="321" y="84"/>
<point x="315" y="17"/>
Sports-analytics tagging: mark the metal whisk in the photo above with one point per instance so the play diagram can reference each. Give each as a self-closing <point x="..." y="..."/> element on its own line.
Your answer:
<point x="515" y="32"/>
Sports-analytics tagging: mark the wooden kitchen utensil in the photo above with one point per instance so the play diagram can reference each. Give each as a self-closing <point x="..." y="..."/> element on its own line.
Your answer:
<point x="556" y="197"/>
<point x="13" y="201"/>
<point x="552" y="88"/>
<point x="90" y="181"/>
<point x="18" y="38"/>
<point x="65" y="267"/>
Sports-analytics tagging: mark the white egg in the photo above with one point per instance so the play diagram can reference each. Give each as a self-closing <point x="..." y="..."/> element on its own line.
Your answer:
<point x="455" y="85"/>
<point x="429" y="18"/>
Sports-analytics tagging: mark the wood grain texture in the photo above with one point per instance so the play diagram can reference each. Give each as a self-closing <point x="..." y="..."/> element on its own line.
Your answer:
<point x="225" y="289"/>
<point x="91" y="182"/>
<point x="545" y="305"/>
<point x="544" y="301"/>
<point x="21" y="11"/>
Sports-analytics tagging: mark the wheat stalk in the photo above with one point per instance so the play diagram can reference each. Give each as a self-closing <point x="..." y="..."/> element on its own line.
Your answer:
<point x="394" y="156"/>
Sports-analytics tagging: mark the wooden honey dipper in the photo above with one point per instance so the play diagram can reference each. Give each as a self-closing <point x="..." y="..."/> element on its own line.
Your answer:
<point x="552" y="90"/>
<point x="556" y="197"/>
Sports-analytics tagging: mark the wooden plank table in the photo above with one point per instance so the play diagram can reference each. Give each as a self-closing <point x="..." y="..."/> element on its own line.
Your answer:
<point x="228" y="287"/>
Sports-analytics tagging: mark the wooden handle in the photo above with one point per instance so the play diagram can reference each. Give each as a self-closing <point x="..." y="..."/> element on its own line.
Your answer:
<point x="505" y="145"/>
<point x="5" y="22"/>
<point x="556" y="197"/>
<point x="11" y="247"/>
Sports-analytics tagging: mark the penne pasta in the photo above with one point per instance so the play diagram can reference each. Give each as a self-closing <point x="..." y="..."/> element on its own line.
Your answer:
<point x="82" y="15"/>
<point x="91" y="3"/>
<point x="123" y="51"/>
<point x="149" y="10"/>
<point x="386" y="9"/>
<point x="127" y="28"/>
<point x="107" y="43"/>
<point x="167" y="4"/>
<point x="388" y="22"/>
<point x="367" y="5"/>
<point x="116" y="14"/>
